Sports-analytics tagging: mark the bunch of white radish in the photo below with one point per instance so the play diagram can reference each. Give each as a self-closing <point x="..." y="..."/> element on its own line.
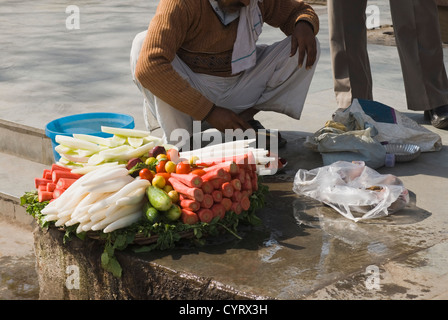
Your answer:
<point x="260" y="156"/>
<point x="83" y="152"/>
<point x="106" y="199"/>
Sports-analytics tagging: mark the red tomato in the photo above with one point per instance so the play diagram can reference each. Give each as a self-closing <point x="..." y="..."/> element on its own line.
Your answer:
<point x="146" y="174"/>
<point x="183" y="168"/>
<point x="160" y="167"/>
<point x="199" y="172"/>
<point x="173" y="155"/>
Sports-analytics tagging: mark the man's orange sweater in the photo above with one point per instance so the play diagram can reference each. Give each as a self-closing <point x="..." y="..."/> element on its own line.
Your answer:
<point x="192" y="30"/>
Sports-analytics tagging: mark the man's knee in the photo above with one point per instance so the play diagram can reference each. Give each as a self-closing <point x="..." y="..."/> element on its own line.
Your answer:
<point x="136" y="47"/>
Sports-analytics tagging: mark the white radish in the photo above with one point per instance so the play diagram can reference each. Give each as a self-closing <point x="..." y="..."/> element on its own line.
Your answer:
<point x="132" y="186"/>
<point x="124" y="221"/>
<point x="112" y="174"/>
<point x="117" y="214"/>
<point x="62" y="220"/>
<point x="89" y="168"/>
<point x="51" y="217"/>
<point x="134" y="197"/>
<point x="111" y="185"/>
<point x="100" y="215"/>
<point x="88" y="225"/>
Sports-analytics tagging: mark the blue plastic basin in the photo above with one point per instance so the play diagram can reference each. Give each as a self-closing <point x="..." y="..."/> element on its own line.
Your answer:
<point x="86" y="123"/>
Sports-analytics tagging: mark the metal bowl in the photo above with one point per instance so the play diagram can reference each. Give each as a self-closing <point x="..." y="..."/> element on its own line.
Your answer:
<point x="403" y="152"/>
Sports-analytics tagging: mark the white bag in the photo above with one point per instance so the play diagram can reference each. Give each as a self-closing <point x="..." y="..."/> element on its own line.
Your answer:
<point x="353" y="189"/>
<point x="391" y="125"/>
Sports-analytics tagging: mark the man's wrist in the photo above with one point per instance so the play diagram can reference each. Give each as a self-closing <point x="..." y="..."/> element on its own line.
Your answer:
<point x="208" y="114"/>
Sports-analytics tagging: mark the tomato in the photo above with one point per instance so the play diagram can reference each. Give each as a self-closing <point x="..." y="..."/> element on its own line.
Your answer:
<point x="161" y="157"/>
<point x="183" y="168"/>
<point x="174" y="195"/>
<point x="173" y="155"/>
<point x="170" y="167"/>
<point x="159" y="182"/>
<point x="146" y="174"/>
<point x="160" y="167"/>
<point x="150" y="161"/>
<point x="199" y="172"/>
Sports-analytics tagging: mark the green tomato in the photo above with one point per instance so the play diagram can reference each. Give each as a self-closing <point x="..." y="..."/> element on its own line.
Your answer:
<point x="173" y="213"/>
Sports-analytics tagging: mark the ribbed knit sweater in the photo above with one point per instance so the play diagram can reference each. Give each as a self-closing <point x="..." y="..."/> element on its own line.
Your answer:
<point x="192" y="30"/>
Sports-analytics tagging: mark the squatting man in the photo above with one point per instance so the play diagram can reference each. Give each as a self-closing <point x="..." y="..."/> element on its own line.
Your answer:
<point x="199" y="61"/>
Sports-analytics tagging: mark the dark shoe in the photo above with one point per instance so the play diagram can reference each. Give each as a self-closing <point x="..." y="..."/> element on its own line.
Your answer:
<point x="438" y="117"/>
<point x="258" y="126"/>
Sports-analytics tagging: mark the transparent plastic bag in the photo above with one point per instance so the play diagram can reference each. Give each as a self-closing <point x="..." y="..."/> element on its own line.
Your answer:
<point x="353" y="189"/>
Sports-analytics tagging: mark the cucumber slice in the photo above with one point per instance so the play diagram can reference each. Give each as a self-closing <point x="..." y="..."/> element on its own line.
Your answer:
<point x="76" y="143"/>
<point x="125" y="132"/>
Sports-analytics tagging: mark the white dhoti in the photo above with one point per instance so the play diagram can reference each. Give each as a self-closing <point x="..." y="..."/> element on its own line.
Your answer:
<point x="275" y="83"/>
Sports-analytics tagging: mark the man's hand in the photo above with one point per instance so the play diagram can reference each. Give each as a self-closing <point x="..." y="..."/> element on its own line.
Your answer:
<point x="304" y="41"/>
<point x="221" y="119"/>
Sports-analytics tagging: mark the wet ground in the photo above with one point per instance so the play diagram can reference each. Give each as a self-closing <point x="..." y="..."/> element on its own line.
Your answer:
<point x="18" y="277"/>
<point x="304" y="249"/>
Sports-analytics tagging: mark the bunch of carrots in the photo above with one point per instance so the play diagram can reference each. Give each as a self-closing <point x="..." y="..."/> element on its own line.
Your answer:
<point x="54" y="182"/>
<point x="213" y="188"/>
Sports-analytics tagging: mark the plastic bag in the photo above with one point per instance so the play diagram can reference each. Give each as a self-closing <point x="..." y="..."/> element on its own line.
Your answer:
<point x="390" y="125"/>
<point x="353" y="189"/>
<point x="357" y="145"/>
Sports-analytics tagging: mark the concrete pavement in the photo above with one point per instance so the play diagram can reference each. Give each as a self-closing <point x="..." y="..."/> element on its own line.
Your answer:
<point x="49" y="71"/>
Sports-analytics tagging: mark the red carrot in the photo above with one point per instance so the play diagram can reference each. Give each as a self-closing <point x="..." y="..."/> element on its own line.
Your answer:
<point x="227" y="177"/>
<point x="245" y="203"/>
<point x="207" y="187"/>
<point x="215" y="172"/>
<point x="227" y="203"/>
<point x="191" y="180"/>
<point x="227" y="189"/>
<point x="255" y="182"/>
<point x="247" y="183"/>
<point x="39" y="181"/>
<point x="190" y="204"/>
<point x="218" y="210"/>
<point x="236" y="184"/>
<point x="54" y="167"/>
<point x="205" y="215"/>
<point x="64" y="183"/>
<point x="189" y="192"/>
<point x="217" y="195"/>
<point x="242" y="175"/>
<point x="217" y="183"/>
<point x="51" y="186"/>
<point x="207" y="202"/>
<point x="189" y="217"/>
<point x="228" y="166"/>
<point x="46" y="172"/>
<point x="58" y="174"/>
<point x="236" y="207"/>
<point x="57" y="193"/>
<point x="236" y="196"/>
<point x="44" y="195"/>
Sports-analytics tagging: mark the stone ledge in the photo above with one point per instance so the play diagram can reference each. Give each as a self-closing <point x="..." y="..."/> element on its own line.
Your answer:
<point x="142" y="280"/>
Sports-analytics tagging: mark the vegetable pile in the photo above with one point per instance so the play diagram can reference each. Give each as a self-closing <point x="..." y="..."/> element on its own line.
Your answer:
<point x="131" y="187"/>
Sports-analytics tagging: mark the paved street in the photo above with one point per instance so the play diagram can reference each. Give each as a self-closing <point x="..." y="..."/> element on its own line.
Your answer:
<point x="48" y="71"/>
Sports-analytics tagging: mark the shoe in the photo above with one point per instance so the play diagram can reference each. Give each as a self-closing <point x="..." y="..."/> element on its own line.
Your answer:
<point x="258" y="126"/>
<point x="438" y="117"/>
